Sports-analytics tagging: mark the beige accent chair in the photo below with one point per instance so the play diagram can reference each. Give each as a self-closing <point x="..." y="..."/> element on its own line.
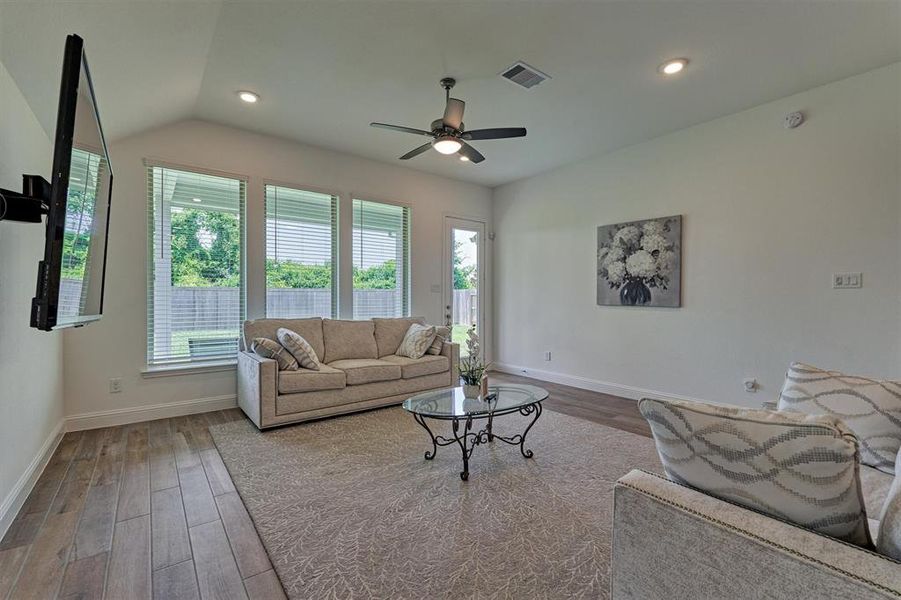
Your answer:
<point x="359" y="370"/>
<point x="672" y="541"/>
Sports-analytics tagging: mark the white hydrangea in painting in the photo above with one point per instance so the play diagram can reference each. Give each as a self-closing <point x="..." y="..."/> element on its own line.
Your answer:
<point x="640" y="263"/>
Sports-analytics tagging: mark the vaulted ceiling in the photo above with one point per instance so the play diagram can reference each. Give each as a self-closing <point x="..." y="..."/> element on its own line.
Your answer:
<point x="325" y="69"/>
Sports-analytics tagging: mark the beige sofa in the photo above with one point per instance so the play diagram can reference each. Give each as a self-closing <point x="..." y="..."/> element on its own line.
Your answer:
<point x="359" y="370"/>
<point x="672" y="541"/>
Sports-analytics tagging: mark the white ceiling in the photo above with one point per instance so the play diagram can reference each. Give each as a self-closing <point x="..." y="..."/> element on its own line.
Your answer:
<point x="326" y="69"/>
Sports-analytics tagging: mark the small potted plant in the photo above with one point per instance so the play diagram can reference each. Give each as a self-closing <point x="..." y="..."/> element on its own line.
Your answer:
<point x="471" y="367"/>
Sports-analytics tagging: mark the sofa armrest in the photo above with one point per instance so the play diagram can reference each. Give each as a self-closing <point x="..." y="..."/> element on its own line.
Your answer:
<point x="257" y="387"/>
<point x="452" y="351"/>
<point x="671" y="541"/>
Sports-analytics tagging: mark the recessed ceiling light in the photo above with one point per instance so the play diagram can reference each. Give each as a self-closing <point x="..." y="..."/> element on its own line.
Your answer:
<point x="196" y="199"/>
<point x="671" y="67"/>
<point x="248" y="97"/>
<point x="464" y="158"/>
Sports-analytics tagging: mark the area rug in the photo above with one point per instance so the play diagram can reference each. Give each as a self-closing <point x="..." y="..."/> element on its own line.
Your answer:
<point x="348" y="507"/>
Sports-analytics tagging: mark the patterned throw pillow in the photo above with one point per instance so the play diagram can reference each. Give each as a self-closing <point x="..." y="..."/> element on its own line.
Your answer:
<point x="271" y="349"/>
<point x="888" y="542"/>
<point x="416" y="341"/>
<point x="798" y="468"/>
<point x="442" y="334"/>
<point x="869" y="407"/>
<point x="299" y="348"/>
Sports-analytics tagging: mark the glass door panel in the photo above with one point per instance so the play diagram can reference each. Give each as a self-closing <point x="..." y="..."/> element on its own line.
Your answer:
<point x="465" y="251"/>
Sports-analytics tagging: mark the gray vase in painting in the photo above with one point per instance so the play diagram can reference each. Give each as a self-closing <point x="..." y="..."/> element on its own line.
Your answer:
<point x="640" y="263"/>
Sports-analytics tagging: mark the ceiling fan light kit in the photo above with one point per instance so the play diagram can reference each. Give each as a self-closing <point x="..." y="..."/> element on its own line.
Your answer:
<point x="448" y="133"/>
<point x="446" y="144"/>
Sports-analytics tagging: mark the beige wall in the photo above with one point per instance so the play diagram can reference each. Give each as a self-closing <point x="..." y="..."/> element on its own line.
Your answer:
<point x="769" y="215"/>
<point x="31" y="368"/>
<point x="116" y="346"/>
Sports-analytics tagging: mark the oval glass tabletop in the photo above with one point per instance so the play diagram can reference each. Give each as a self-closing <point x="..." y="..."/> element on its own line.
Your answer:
<point x="450" y="402"/>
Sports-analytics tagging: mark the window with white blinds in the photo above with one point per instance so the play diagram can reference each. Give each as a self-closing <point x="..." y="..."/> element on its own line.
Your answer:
<point x="381" y="260"/>
<point x="301" y="253"/>
<point x="195" y="299"/>
<point x="85" y="178"/>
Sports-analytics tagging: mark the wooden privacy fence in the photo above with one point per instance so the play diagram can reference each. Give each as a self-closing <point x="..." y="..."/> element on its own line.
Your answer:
<point x="466" y="307"/>
<point x="218" y="308"/>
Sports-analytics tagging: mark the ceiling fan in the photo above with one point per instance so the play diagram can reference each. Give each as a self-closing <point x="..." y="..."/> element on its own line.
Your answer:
<point x="448" y="134"/>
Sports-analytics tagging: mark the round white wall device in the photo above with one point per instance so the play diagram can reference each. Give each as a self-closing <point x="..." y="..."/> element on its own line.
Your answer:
<point x="793" y="120"/>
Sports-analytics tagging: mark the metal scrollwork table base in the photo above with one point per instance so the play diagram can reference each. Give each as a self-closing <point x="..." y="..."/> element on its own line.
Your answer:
<point x="463" y="413"/>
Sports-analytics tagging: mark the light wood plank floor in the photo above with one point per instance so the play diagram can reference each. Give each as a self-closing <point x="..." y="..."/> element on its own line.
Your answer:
<point x="148" y="510"/>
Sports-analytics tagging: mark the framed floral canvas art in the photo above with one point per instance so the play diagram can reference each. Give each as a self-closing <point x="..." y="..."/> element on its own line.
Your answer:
<point x="640" y="263"/>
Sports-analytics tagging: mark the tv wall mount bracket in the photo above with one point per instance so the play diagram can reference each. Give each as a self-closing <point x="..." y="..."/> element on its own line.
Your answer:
<point x="29" y="205"/>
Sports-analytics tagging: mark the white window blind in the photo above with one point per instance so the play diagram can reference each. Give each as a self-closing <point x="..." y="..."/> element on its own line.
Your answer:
<point x="195" y="299"/>
<point x="381" y="259"/>
<point x="85" y="176"/>
<point x="301" y="253"/>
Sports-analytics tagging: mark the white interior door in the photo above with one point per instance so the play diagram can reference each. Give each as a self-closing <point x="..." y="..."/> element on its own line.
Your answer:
<point x="464" y="278"/>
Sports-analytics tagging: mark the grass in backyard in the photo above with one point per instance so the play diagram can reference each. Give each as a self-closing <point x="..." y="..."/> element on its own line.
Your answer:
<point x="181" y="346"/>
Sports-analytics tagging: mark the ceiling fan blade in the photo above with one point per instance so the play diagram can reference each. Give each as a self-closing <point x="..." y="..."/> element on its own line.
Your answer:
<point x="453" y="113"/>
<point x="416" y="151"/>
<point x="402" y="129"/>
<point x="471" y="153"/>
<point x="497" y="133"/>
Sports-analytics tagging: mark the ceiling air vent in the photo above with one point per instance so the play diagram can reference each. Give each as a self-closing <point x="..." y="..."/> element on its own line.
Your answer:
<point x="524" y="75"/>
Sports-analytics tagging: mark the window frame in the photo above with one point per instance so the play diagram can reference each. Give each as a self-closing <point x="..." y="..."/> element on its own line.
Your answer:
<point x="175" y="366"/>
<point x="336" y="242"/>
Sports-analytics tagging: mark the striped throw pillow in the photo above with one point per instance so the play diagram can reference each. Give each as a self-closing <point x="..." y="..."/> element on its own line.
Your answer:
<point x="799" y="468"/>
<point x="869" y="407"/>
<point x="299" y="348"/>
<point x="271" y="349"/>
<point x="442" y="334"/>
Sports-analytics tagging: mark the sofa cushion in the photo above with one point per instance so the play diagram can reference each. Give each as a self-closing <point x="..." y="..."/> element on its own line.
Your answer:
<point x="389" y="333"/>
<point x="799" y="468"/>
<point x="416" y="341"/>
<point x="307" y="380"/>
<point x="310" y="329"/>
<point x="299" y="348"/>
<point x="366" y="370"/>
<point x="270" y="349"/>
<point x="348" y="339"/>
<point x="388" y="391"/>
<point x="417" y="367"/>
<point x="442" y="334"/>
<point x="869" y="407"/>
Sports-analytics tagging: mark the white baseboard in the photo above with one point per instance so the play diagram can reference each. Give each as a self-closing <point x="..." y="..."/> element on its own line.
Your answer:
<point x="124" y="416"/>
<point x="595" y="385"/>
<point x="17" y="495"/>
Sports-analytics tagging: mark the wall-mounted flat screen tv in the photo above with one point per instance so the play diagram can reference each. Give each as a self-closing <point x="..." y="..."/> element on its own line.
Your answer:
<point x="71" y="277"/>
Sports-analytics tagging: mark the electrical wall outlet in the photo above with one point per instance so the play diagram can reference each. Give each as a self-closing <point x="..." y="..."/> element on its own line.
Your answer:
<point x="115" y="385"/>
<point x="847" y="281"/>
<point x="547" y="355"/>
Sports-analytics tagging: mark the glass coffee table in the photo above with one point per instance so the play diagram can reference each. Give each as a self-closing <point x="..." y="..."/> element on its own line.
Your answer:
<point x="450" y="405"/>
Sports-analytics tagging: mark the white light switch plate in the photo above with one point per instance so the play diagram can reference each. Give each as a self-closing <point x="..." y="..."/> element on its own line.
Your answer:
<point x="847" y="281"/>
